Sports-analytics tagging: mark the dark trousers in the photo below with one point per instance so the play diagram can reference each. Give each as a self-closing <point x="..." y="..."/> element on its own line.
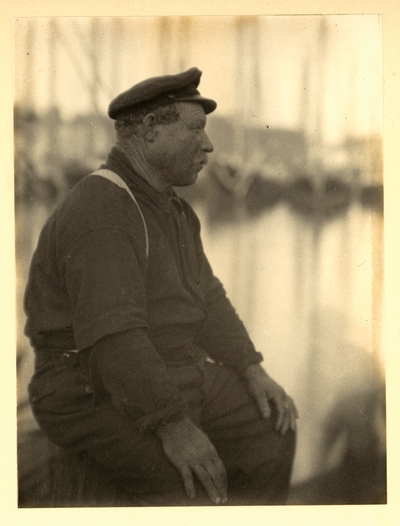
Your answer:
<point x="257" y="458"/>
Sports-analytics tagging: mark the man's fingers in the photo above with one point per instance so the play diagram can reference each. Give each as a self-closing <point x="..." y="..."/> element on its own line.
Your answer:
<point x="286" y="423"/>
<point x="293" y="424"/>
<point x="207" y="483"/>
<point x="281" y="409"/>
<point x="287" y="414"/>
<point x="188" y="481"/>
<point x="263" y="405"/>
<point x="213" y="481"/>
<point x="217" y="471"/>
<point x="212" y="476"/>
<point x="293" y="416"/>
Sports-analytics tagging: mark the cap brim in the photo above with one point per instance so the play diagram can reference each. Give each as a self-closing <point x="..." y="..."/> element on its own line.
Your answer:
<point x="209" y="105"/>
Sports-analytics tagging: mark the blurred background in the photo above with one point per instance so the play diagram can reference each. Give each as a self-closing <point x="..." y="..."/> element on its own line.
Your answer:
<point x="291" y="204"/>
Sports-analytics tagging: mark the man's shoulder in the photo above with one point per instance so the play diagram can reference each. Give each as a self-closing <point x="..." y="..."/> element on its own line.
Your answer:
<point x="94" y="203"/>
<point x="97" y="198"/>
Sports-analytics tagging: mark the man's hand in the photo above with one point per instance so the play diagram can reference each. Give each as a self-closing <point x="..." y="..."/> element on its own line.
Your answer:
<point x="189" y="450"/>
<point x="264" y="390"/>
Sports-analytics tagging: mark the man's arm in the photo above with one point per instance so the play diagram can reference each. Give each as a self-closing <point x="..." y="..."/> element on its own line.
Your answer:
<point x="126" y="366"/>
<point x="224" y="336"/>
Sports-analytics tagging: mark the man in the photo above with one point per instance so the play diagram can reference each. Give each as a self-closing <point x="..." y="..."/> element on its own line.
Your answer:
<point x="141" y="361"/>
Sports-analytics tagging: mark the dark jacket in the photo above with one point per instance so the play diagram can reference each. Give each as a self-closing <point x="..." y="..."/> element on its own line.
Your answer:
<point x="90" y="278"/>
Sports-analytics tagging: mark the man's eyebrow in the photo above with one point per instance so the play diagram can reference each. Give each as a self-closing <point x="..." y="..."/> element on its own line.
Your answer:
<point x="200" y="119"/>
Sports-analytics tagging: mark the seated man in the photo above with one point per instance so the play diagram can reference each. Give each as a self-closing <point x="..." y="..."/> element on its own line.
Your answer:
<point x="141" y="361"/>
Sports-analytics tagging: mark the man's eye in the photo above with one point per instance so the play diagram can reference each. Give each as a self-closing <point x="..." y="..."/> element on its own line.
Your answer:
<point x="199" y="125"/>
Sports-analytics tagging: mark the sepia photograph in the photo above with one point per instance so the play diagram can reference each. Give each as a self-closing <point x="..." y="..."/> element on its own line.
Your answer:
<point x="199" y="256"/>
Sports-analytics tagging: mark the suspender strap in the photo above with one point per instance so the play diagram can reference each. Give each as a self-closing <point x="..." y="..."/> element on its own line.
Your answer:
<point x="115" y="178"/>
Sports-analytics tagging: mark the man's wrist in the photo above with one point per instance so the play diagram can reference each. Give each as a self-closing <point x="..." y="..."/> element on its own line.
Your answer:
<point x="170" y="429"/>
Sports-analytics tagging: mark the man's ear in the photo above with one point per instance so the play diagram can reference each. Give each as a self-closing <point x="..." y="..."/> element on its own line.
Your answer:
<point x="149" y="124"/>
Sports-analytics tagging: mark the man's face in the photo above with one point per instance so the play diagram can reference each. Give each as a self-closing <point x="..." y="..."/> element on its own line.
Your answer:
<point x="180" y="148"/>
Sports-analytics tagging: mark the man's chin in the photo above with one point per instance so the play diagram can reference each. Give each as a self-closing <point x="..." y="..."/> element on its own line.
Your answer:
<point x="188" y="181"/>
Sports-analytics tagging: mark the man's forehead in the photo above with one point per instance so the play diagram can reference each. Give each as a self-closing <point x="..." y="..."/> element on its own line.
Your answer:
<point x="191" y="110"/>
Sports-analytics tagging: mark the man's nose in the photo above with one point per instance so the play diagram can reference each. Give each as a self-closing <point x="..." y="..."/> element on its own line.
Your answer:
<point x="206" y="144"/>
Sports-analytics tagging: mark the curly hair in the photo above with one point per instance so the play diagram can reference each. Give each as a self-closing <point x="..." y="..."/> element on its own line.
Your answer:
<point x="128" y="122"/>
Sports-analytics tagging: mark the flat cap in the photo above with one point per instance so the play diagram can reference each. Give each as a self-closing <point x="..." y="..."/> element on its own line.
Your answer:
<point x="180" y="88"/>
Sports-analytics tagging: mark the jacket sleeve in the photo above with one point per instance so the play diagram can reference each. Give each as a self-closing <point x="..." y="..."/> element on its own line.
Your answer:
<point x="224" y="336"/>
<point x="106" y="288"/>
<point x="127" y="367"/>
